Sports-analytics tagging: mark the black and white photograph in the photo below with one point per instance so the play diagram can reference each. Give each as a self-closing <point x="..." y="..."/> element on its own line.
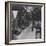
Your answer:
<point x="24" y="22"/>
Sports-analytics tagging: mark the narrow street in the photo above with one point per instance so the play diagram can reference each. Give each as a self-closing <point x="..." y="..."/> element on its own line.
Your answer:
<point x="27" y="33"/>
